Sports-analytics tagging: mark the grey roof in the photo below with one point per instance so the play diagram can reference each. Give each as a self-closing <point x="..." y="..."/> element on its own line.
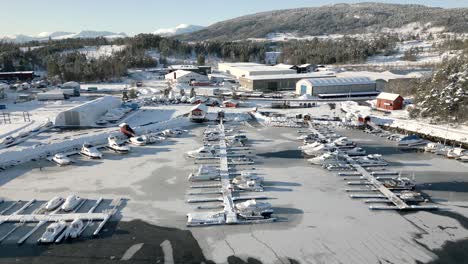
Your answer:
<point x="339" y="81"/>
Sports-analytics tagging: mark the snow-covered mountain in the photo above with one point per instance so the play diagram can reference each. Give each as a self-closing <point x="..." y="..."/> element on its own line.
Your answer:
<point x="44" y="36"/>
<point x="179" y="30"/>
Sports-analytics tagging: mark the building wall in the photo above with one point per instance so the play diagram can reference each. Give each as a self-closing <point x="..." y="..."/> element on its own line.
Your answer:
<point x="343" y="88"/>
<point x="389" y="104"/>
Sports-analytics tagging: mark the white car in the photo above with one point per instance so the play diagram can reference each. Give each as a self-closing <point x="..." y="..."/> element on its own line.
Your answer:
<point x="54" y="203"/>
<point x="52" y="231"/>
<point x="61" y="159"/>
<point x="71" y="203"/>
<point x="8" y="140"/>
<point x="91" y="151"/>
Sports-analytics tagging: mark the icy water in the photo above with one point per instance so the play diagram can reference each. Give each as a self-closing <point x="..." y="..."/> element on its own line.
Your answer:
<point x="442" y="179"/>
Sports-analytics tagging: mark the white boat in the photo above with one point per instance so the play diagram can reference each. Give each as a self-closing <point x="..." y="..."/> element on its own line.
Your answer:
<point x="168" y="133"/>
<point x="463" y="158"/>
<point x="320" y="150"/>
<point x="433" y="147"/>
<point x="410" y="141"/>
<point x="443" y="150"/>
<point x="73" y="230"/>
<point x="115" y="146"/>
<point x="356" y="152"/>
<point x="247" y="176"/>
<point x="455" y="153"/>
<point x="90" y="151"/>
<point x="54" y="203"/>
<point x="61" y="159"/>
<point x="205" y="173"/>
<point x="400" y="183"/>
<point x="242" y="138"/>
<point x="52" y="232"/>
<point x="214" y="136"/>
<point x="203" y="153"/>
<point x="253" y="209"/>
<point x="235" y="143"/>
<point x="310" y="145"/>
<point x="240" y="161"/>
<point x="343" y="142"/>
<point x="326" y="158"/>
<point x="249" y="185"/>
<point x="411" y="196"/>
<point x="71" y="202"/>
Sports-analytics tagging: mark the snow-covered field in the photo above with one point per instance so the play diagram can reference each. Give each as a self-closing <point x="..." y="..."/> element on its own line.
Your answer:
<point x="96" y="52"/>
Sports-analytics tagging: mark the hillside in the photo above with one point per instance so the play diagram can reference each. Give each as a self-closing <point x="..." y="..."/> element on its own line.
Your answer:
<point x="44" y="36"/>
<point x="335" y="19"/>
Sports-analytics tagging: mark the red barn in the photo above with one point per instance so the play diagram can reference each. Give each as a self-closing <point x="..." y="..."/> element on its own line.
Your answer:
<point x="389" y="101"/>
<point x="231" y="103"/>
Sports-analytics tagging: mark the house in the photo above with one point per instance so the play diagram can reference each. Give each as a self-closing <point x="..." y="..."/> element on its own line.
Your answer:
<point x="198" y="113"/>
<point x="389" y="101"/>
<point x="182" y="76"/>
<point x="21" y="75"/>
<point x="231" y="103"/>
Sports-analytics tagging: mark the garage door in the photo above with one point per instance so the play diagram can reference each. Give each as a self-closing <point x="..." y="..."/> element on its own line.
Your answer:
<point x="72" y="118"/>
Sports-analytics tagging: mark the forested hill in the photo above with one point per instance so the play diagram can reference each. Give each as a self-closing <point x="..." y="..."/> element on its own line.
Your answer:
<point x="333" y="19"/>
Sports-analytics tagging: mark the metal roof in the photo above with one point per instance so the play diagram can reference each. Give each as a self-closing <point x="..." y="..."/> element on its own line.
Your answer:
<point x="388" y="96"/>
<point x="290" y="76"/>
<point x="339" y="81"/>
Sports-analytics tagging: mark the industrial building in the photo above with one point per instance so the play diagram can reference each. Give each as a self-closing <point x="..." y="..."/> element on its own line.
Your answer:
<point x="204" y="70"/>
<point x="87" y="114"/>
<point x="246" y="69"/>
<point x="187" y="77"/>
<point x="278" y="82"/>
<point x="337" y="87"/>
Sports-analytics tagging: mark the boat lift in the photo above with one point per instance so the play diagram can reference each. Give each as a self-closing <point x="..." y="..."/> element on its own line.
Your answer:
<point x="55" y="216"/>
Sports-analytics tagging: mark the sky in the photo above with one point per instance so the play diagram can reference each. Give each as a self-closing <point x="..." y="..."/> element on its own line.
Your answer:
<point x="31" y="17"/>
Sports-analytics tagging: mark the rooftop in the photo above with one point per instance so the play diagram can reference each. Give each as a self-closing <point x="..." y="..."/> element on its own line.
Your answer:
<point x="388" y="96"/>
<point x="339" y="81"/>
<point x="291" y="76"/>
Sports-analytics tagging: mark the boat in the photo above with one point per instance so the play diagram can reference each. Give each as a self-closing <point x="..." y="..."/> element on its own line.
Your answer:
<point x="356" y="152"/>
<point x="204" y="152"/>
<point x="410" y="141"/>
<point x="463" y="158"/>
<point x="71" y="202"/>
<point x="73" y="230"/>
<point x="247" y="176"/>
<point x="371" y="160"/>
<point x="411" y="196"/>
<point x="242" y="138"/>
<point x="112" y="144"/>
<point x="433" y="147"/>
<point x="240" y="161"/>
<point x="205" y="173"/>
<point x="213" y="136"/>
<point x="455" y="153"/>
<point x="326" y="159"/>
<point x="310" y="145"/>
<point x="61" y="159"/>
<point x="90" y="151"/>
<point x="343" y="142"/>
<point x="145" y="140"/>
<point x="249" y="185"/>
<point x="399" y="183"/>
<point x="101" y="122"/>
<point x="235" y="143"/>
<point x="54" y="203"/>
<point x="252" y="210"/>
<point x="52" y="231"/>
<point x="443" y="150"/>
<point x="320" y="150"/>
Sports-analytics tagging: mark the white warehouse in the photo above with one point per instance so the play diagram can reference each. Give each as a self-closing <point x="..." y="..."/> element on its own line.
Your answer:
<point x="246" y="69"/>
<point x="181" y="76"/>
<point x="337" y="87"/>
<point x="87" y="114"/>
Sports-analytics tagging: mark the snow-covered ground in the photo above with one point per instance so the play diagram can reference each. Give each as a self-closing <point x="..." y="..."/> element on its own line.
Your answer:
<point x="400" y="119"/>
<point x="96" y="52"/>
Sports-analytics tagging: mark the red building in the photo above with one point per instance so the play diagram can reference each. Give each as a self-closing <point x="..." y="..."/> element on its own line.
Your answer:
<point x="231" y="103"/>
<point x="22" y="76"/>
<point x="389" y="101"/>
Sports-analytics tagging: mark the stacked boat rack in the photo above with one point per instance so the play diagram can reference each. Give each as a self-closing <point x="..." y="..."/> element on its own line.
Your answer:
<point x="224" y="175"/>
<point x="66" y="221"/>
<point x="377" y="184"/>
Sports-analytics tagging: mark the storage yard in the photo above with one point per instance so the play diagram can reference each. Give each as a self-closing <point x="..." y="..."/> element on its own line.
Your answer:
<point x="310" y="204"/>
